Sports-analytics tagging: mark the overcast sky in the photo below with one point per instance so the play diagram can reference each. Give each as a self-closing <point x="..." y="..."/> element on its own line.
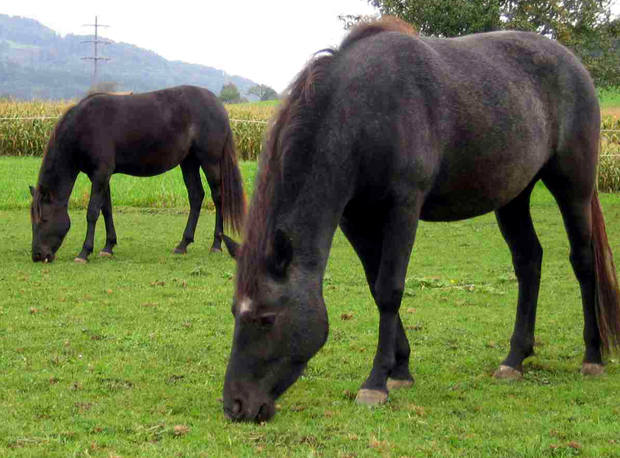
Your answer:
<point x="266" y="41"/>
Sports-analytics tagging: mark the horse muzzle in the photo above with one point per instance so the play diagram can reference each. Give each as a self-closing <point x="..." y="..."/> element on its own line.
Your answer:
<point x="239" y="405"/>
<point x="238" y="410"/>
<point x="43" y="257"/>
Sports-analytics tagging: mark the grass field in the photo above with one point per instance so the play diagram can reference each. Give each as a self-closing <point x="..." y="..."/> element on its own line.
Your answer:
<point x="125" y="357"/>
<point x="162" y="191"/>
<point x="610" y="99"/>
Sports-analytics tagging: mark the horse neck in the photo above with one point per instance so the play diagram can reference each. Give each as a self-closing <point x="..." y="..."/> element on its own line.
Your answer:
<point x="311" y="217"/>
<point x="58" y="173"/>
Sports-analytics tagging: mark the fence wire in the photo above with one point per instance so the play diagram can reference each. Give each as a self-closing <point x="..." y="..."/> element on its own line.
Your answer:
<point x="605" y="133"/>
<point x="26" y="118"/>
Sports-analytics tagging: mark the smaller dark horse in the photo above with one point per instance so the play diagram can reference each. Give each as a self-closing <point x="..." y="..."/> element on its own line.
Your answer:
<point x="141" y="135"/>
<point x="390" y="129"/>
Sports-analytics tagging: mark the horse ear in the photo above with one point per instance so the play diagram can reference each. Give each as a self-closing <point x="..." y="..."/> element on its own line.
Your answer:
<point x="282" y="254"/>
<point x="46" y="195"/>
<point x="231" y="245"/>
<point x="31" y="191"/>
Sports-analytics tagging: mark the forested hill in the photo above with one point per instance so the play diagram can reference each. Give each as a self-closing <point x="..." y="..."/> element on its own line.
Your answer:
<point x="38" y="63"/>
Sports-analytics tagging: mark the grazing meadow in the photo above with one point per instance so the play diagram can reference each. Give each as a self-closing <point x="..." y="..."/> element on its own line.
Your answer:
<point x="125" y="356"/>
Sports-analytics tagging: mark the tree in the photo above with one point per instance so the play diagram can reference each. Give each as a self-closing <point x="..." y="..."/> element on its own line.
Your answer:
<point x="585" y="26"/>
<point x="263" y="92"/>
<point x="230" y="93"/>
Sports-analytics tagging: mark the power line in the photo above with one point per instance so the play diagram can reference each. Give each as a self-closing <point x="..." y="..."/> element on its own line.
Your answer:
<point x="96" y="42"/>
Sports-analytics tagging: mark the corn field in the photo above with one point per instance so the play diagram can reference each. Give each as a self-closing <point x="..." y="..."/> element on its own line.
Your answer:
<point x="26" y="134"/>
<point x="25" y="127"/>
<point x="249" y="123"/>
<point x="609" y="161"/>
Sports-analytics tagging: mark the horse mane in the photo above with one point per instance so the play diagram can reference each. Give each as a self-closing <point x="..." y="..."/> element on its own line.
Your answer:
<point x="48" y="162"/>
<point x="292" y="128"/>
<point x="365" y="29"/>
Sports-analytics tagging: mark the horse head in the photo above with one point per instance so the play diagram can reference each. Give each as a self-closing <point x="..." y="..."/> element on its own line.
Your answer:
<point x="50" y="224"/>
<point x="279" y="326"/>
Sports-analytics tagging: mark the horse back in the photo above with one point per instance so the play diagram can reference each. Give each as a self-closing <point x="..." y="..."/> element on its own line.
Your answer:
<point x="147" y="134"/>
<point x="467" y="123"/>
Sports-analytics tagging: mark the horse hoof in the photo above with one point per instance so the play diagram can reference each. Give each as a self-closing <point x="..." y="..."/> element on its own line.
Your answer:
<point x="105" y="254"/>
<point x="371" y="397"/>
<point x="592" y="369"/>
<point x="80" y="261"/>
<point x="504" y="372"/>
<point x="393" y="384"/>
<point x="216" y="250"/>
<point x="179" y="251"/>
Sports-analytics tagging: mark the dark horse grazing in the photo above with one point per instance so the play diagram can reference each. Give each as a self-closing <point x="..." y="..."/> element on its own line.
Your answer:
<point x="141" y="135"/>
<point x="387" y="130"/>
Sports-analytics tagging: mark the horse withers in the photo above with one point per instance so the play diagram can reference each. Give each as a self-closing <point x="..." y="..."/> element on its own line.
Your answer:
<point x="390" y="129"/>
<point x="141" y="135"/>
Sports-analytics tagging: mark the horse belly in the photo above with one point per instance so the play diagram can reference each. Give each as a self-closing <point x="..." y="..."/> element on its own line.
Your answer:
<point x="468" y="195"/>
<point x="148" y="162"/>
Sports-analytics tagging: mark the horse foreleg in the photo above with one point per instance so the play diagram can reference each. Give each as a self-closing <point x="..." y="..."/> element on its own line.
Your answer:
<point x="96" y="202"/>
<point x="106" y="210"/>
<point x="196" y="194"/>
<point x="515" y="223"/>
<point x="384" y="251"/>
<point x="401" y="377"/>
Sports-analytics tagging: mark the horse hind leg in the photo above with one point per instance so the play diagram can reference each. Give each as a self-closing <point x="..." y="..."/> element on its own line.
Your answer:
<point x="213" y="174"/>
<point x="515" y="223"/>
<point x="106" y="211"/>
<point x="576" y="210"/>
<point x="195" y="192"/>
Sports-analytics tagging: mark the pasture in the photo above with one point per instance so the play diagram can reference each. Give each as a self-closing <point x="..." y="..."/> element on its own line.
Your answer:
<point x="125" y="357"/>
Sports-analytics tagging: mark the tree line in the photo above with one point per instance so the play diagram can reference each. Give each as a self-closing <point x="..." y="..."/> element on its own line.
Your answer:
<point x="230" y="93"/>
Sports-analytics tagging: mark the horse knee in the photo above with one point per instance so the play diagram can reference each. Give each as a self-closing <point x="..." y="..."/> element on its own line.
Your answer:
<point x="388" y="296"/>
<point x="92" y="215"/>
<point x="582" y="262"/>
<point x="196" y="199"/>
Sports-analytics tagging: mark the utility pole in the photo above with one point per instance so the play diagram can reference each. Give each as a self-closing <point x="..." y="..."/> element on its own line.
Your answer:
<point x="95" y="58"/>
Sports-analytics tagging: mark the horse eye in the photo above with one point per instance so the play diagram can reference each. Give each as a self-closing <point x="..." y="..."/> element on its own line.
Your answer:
<point x="266" y="320"/>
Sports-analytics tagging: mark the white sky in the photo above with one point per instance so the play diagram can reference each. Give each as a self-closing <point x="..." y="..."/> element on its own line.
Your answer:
<point x="266" y="41"/>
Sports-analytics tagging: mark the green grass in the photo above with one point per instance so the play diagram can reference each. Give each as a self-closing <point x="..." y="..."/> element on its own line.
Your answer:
<point x="609" y="99"/>
<point x="162" y="191"/>
<point x="125" y="357"/>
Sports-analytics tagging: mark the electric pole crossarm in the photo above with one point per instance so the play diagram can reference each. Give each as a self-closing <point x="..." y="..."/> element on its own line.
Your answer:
<point x="95" y="58"/>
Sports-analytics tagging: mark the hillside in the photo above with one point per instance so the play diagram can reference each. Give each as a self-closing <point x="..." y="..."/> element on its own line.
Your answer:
<point x="37" y="63"/>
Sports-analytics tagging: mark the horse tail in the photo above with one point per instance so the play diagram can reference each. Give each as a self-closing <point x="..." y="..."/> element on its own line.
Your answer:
<point x="607" y="291"/>
<point x="233" y="197"/>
